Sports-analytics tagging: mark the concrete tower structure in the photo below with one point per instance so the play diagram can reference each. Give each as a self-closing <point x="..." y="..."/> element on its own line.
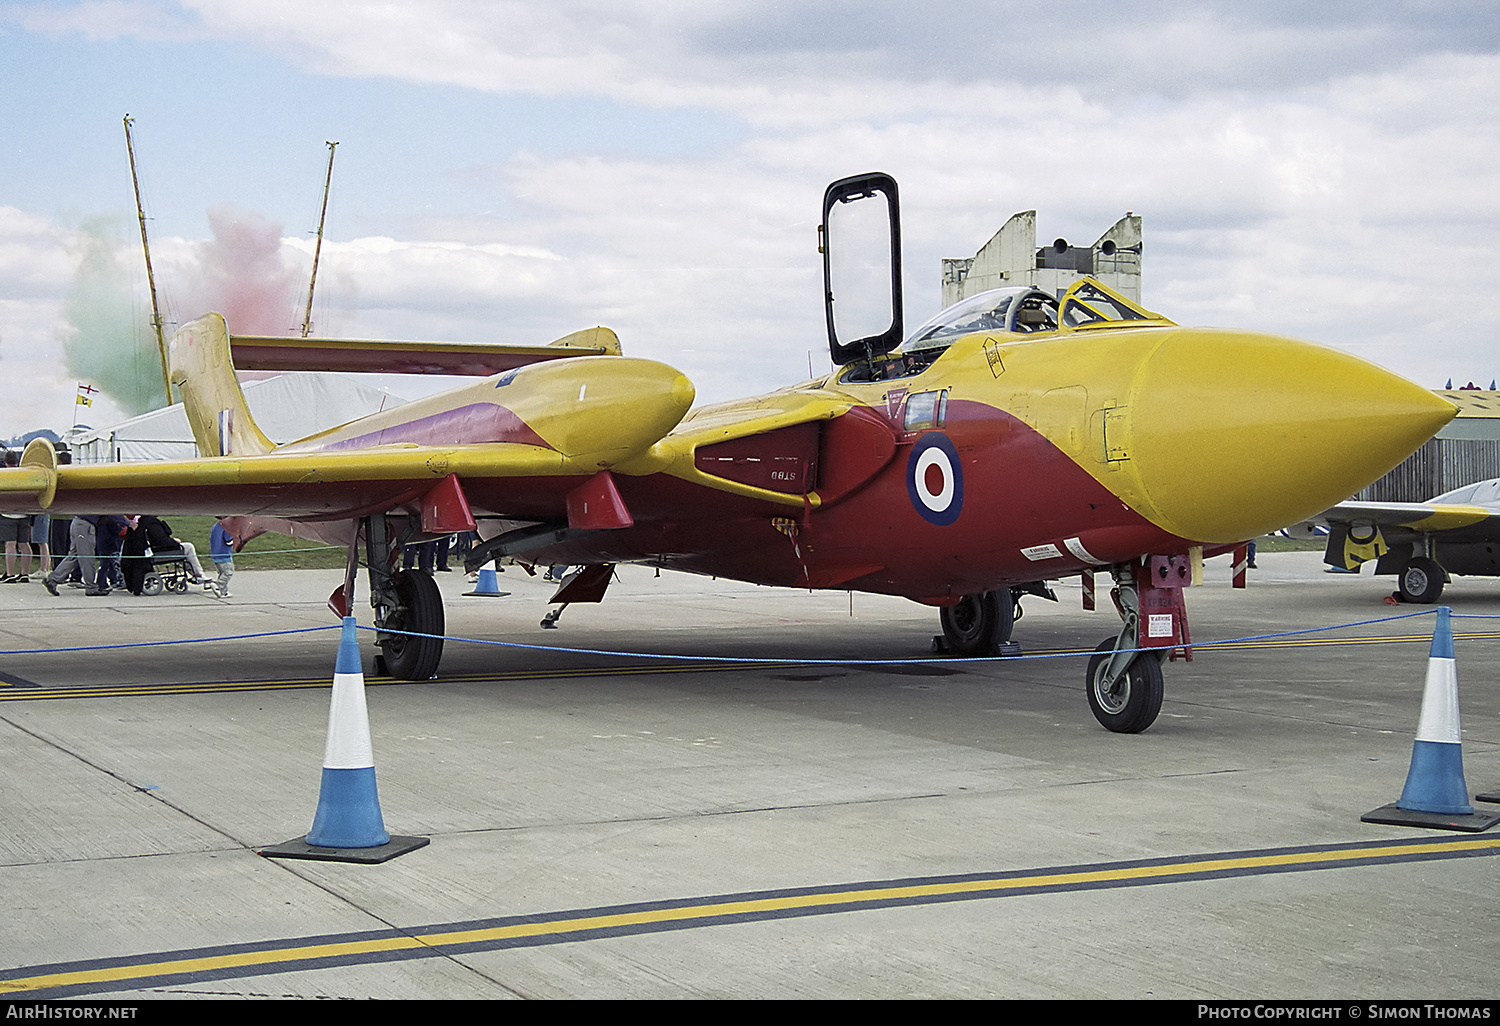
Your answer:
<point x="1011" y="257"/>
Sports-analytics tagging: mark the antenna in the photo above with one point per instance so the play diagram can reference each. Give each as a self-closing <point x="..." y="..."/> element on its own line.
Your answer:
<point x="318" y="247"/>
<point x="161" y="342"/>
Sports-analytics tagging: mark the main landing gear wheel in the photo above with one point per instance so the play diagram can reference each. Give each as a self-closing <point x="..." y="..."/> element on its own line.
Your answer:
<point x="1421" y="581"/>
<point x="978" y="624"/>
<point x="1131" y="704"/>
<point x="420" y="610"/>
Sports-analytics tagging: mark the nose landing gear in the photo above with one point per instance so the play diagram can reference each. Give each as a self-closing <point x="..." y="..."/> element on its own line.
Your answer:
<point x="1124" y="683"/>
<point x="1127" y="699"/>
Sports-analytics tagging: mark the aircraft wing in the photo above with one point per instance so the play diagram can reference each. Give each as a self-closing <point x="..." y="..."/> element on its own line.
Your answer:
<point x="524" y="445"/>
<point x="535" y="441"/>
<point x="1362" y="531"/>
<point x="1419" y="517"/>
<point x="310" y="485"/>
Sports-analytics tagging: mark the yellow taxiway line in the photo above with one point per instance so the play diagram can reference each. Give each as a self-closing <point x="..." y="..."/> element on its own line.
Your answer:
<point x="152" y="970"/>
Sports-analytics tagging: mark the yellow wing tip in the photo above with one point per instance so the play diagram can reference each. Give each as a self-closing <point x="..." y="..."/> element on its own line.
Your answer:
<point x="598" y="337"/>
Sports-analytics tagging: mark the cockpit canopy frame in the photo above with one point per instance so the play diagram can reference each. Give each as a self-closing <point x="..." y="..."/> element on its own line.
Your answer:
<point x="1017" y="312"/>
<point x="858" y="266"/>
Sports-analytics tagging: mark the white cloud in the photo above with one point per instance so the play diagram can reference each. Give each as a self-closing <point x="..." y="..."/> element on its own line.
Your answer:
<point x="95" y="20"/>
<point x="35" y="270"/>
<point x="824" y="60"/>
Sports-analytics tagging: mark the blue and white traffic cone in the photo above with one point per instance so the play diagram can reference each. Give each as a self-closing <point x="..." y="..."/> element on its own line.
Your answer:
<point x="347" y="826"/>
<point x="1435" y="794"/>
<point x="1435" y="782"/>
<point x="488" y="585"/>
<point x="348" y="813"/>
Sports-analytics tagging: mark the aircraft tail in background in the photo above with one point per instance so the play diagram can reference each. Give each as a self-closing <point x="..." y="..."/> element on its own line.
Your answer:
<point x="199" y="364"/>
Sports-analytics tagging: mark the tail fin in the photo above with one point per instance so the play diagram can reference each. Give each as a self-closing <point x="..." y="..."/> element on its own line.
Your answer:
<point x="199" y="364"/>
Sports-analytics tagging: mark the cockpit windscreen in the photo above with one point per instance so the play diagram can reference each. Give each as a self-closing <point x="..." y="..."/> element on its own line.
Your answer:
<point x="1017" y="309"/>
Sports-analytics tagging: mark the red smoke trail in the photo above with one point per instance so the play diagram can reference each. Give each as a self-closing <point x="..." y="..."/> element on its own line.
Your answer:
<point x="243" y="274"/>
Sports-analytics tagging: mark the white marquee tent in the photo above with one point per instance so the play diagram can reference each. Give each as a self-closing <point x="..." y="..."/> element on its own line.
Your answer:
<point x="286" y="407"/>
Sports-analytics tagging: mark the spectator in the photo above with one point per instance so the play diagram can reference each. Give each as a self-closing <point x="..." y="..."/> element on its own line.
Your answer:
<point x="221" y="548"/>
<point x="80" y="555"/>
<point x="41" y="541"/>
<point x="134" y="564"/>
<point x="109" y="536"/>
<point x="15" y="528"/>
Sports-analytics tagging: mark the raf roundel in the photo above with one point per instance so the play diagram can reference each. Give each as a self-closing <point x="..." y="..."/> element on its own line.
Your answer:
<point x="935" y="479"/>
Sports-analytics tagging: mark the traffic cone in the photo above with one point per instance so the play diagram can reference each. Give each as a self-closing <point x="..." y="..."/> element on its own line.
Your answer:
<point x="348" y="813"/>
<point x="1435" y="794"/>
<point x="347" y="826"/>
<point x="488" y="585"/>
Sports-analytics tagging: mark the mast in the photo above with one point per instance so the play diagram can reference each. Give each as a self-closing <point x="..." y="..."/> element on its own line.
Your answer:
<point x="318" y="247"/>
<point x="161" y="342"/>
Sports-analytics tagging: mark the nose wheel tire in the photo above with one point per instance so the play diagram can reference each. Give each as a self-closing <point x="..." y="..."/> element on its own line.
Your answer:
<point x="1421" y="581"/>
<point x="1131" y="704"/>
<point x="978" y="624"/>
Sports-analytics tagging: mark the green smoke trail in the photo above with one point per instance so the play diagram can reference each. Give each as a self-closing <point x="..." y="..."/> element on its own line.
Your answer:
<point x="109" y="342"/>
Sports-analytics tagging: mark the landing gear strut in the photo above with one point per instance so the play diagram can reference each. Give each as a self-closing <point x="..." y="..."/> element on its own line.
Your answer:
<point x="404" y="601"/>
<point x="1125" y="686"/>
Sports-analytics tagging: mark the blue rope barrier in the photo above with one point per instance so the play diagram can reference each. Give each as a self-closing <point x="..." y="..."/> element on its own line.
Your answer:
<point x="179" y="641"/>
<point x="970" y="660"/>
<point x="749" y="660"/>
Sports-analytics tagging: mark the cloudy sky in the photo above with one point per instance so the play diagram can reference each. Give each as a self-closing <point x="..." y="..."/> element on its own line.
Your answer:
<point x="511" y="172"/>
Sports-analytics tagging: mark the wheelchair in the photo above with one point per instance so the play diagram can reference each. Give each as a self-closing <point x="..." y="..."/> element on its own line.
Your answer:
<point x="167" y="573"/>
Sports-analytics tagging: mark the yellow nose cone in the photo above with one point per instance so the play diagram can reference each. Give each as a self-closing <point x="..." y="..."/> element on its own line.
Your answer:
<point x="1230" y="435"/>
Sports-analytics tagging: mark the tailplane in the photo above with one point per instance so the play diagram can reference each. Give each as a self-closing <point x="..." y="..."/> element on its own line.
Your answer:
<point x="199" y="364"/>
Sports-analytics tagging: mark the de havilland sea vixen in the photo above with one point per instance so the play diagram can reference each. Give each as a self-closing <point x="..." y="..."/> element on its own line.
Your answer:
<point x="1015" y="438"/>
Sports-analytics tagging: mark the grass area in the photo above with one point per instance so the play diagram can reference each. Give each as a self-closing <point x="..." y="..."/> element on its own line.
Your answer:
<point x="268" y="552"/>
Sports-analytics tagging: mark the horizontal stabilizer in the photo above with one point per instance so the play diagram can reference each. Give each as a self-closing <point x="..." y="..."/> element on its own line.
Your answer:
<point x="256" y="352"/>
